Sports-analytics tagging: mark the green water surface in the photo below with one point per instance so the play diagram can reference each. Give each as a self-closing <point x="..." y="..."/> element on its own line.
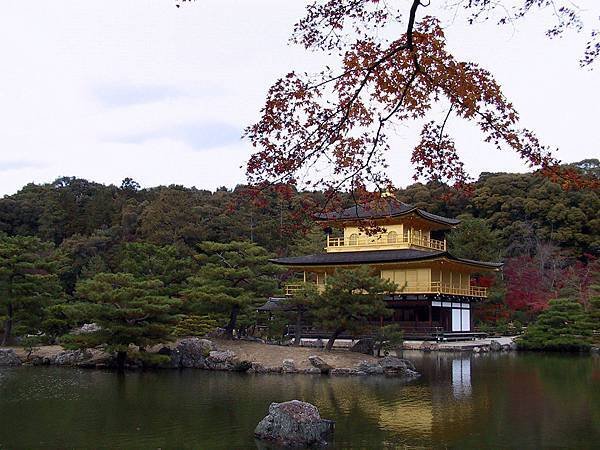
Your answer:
<point x="462" y="401"/>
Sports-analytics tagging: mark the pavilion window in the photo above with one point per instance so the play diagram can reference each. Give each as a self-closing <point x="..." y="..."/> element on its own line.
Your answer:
<point x="392" y="237"/>
<point x="353" y="239"/>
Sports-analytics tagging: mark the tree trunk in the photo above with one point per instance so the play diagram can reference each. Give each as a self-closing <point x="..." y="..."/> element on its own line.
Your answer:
<point x="8" y="323"/>
<point x="232" y="321"/>
<point x="298" y="330"/>
<point x="121" y="358"/>
<point x="333" y="337"/>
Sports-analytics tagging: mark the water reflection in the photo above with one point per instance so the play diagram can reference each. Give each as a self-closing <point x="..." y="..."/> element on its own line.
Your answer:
<point x="508" y="401"/>
<point x="461" y="377"/>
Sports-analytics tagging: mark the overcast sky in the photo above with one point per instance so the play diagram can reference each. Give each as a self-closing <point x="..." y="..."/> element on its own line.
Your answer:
<point x="111" y="89"/>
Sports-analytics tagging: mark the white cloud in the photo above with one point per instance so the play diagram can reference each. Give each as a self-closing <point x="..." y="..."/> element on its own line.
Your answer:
<point x="106" y="90"/>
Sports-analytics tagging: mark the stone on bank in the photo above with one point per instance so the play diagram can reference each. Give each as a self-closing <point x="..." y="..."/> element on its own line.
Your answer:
<point x="8" y="357"/>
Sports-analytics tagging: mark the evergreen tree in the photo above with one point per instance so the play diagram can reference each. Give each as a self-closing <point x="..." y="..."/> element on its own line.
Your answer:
<point x="194" y="325"/>
<point x="351" y="301"/>
<point x="235" y="277"/>
<point x="474" y="239"/>
<point x="85" y="254"/>
<point x="165" y="263"/>
<point x="564" y="326"/>
<point x="389" y="337"/>
<point x="310" y="243"/>
<point x="128" y="310"/>
<point x="299" y="306"/>
<point x="28" y="284"/>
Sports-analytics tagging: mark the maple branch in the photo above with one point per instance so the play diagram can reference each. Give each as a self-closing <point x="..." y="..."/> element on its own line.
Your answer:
<point x="444" y="125"/>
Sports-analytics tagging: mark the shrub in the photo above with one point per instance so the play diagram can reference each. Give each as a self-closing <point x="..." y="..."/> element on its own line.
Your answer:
<point x="564" y="326"/>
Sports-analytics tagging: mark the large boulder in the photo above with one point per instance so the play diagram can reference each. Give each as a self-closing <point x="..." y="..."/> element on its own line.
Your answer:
<point x="495" y="346"/>
<point x="221" y="360"/>
<point x="192" y="353"/>
<point x="294" y="424"/>
<point x="370" y="368"/>
<point x="366" y="346"/>
<point x="392" y="365"/>
<point x="257" y="368"/>
<point x="8" y="357"/>
<point x="319" y="363"/>
<point x="71" y="357"/>
<point x="289" y="366"/>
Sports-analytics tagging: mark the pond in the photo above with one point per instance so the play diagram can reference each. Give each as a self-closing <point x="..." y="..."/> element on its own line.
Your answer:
<point x="461" y="401"/>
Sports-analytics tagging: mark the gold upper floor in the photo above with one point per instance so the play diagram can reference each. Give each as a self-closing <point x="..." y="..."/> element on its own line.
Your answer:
<point x="395" y="237"/>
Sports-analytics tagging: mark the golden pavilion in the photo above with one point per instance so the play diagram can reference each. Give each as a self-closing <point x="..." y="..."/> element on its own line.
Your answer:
<point x="436" y="290"/>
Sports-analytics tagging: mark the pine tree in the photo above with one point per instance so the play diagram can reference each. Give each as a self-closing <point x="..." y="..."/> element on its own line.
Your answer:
<point x="564" y="326"/>
<point x="299" y="306"/>
<point x="166" y="263"/>
<point x="28" y="283"/>
<point x="389" y="337"/>
<point x="128" y="310"/>
<point x="351" y="301"/>
<point x="474" y="239"/>
<point x="194" y="325"/>
<point x="235" y="277"/>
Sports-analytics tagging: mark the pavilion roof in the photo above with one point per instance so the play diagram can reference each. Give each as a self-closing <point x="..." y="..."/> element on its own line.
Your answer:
<point x="390" y="208"/>
<point x="377" y="256"/>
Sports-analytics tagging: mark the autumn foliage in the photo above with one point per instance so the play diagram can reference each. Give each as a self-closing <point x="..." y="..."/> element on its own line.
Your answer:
<point x="331" y="130"/>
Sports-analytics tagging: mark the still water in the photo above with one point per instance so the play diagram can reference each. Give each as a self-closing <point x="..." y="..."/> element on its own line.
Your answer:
<point x="484" y="401"/>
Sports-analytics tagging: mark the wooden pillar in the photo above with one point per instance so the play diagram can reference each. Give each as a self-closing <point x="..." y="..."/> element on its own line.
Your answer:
<point x="430" y="322"/>
<point x="304" y="276"/>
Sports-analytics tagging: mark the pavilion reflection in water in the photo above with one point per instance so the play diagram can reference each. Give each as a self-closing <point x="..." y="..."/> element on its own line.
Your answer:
<point x="461" y="378"/>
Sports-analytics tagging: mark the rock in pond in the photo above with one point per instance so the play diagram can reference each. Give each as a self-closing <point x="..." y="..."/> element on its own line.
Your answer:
<point x="397" y="366"/>
<point x="8" y="357"/>
<point x="294" y="424"/>
<point x="370" y="368"/>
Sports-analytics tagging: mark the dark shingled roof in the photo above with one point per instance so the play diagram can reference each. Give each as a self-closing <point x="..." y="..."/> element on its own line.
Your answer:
<point x="374" y="257"/>
<point x="273" y="304"/>
<point x="393" y="208"/>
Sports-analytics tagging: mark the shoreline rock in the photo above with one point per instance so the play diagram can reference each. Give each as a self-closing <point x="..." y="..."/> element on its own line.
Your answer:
<point x="8" y="357"/>
<point x="319" y="363"/>
<point x="197" y="353"/>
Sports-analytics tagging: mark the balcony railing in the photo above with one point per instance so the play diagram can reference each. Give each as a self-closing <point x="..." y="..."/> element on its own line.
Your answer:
<point x="383" y="242"/>
<point x="435" y="287"/>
